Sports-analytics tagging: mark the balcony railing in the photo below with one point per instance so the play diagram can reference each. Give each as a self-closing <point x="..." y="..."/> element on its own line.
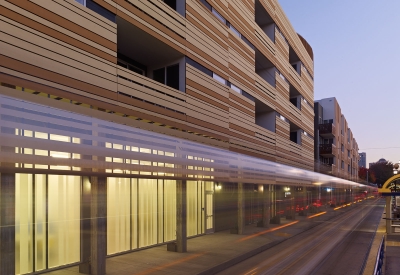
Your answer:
<point x="327" y="149"/>
<point x="324" y="168"/>
<point x="326" y="129"/>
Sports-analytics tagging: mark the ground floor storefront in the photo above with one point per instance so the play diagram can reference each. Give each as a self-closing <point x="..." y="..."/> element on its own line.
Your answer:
<point x="53" y="221"/>
<point x="76" y="188"/>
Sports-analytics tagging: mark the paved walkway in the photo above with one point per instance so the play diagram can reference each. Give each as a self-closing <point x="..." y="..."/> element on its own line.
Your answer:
<point x="380" y="232"/>
<point x="208" y="254"/>
<point x="392" y="251"/>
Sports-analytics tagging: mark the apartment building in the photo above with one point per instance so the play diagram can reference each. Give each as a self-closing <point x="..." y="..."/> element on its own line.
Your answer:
<point x="336" y="149"/>
<point x="78" y="78"/>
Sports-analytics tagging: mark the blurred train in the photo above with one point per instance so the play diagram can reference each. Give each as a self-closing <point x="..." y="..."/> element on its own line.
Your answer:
<point x="41" y="140"/>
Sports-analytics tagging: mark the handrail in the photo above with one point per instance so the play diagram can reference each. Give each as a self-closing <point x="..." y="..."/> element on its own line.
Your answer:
<point x="379" y="258"/>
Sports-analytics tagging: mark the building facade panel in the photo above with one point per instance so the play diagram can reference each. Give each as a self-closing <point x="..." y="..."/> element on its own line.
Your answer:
<point x="80" y="75"/>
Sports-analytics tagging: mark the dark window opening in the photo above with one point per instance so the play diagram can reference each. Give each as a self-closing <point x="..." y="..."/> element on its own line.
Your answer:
<point x="131" y="64"/>
<point x="293" y="136"/>
<point x="328" y="141"/>
<point x="159" y="75"/>
<point x="205" y="3"/>
<point x="199" y="66"/>
<point x="100" y="10"/>
<point x="328" y="161"/>
<point x="130" y="67"/>
<point x="248" y="96"/>
<point x="173" y="76"/>
<point x="248" y="42"/>
<point x="171" y="3"/>
<point x="296" y="102"/>
<point x="168" y="76"/>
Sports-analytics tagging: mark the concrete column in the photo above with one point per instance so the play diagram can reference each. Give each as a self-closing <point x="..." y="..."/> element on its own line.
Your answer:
<point x="304" y="200"/>
<point x="292" y="212"/>
<point x="181" y="216"/>
<point x="7" y="223"/>
<point x="266" y="205"/>
<point x="84" y="267"/>
<point x="352" y="196"/>
<point x="98" y="223"/>
<point x="388" y="215"/>
<point x="272" y="191"/>
<point x="241" y="208"/>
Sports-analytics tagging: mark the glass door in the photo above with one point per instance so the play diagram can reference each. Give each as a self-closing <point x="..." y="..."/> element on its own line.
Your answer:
<point x="209" y="208"/>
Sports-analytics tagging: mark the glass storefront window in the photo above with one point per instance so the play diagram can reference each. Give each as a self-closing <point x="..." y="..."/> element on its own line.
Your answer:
<point x="56" y="231"/>
<point x="118" y="215"/>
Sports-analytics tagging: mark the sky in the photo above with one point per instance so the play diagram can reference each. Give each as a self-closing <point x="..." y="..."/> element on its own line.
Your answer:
<point x="356" y="45"/>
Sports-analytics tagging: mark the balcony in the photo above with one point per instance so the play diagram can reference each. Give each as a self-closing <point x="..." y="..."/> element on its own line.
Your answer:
<point x="264" y="20"/>
<point x="323" y="168"/>
<point x="149" y="57"/>
<point x="326" y="130"/>
<point x="327" y="150"/>
<point x="265" y="68"/>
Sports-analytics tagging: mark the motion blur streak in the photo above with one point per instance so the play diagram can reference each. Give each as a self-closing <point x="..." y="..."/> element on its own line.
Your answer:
<point x="316" y="215"/>
<point x="121" y="150"/>
<point x="253" y="271"/>
<point x="336" y="208"/>
<point x="266" y="231"/>
<point x="161" y="267"/>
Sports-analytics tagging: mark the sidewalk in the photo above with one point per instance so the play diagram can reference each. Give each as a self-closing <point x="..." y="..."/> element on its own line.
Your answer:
<point x="380" y="232"/>
<point x="391" y="265"/>
<point x="207" y="254"/>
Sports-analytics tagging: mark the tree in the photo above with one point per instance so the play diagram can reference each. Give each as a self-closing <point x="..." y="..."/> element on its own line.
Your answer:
<point x="362" y="173"/>
<point x="379" y="172"/>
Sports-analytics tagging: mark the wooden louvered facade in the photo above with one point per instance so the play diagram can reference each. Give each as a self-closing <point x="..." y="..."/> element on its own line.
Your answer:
<point x="64" y="50"/>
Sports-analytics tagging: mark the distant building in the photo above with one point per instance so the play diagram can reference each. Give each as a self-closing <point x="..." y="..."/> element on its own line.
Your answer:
<point x="335" y="148"/>
<point x="363" y="160"/>
<point x="379" y="161"/>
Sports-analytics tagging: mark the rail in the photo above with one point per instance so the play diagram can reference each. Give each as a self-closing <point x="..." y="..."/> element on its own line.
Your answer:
<point x="379" y="258"/>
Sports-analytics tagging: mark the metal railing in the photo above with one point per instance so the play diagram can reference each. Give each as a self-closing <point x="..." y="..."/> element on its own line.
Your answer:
<point x="379" y="258"/>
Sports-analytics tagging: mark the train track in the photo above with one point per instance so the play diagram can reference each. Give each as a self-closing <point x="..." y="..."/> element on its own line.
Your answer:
<point x="337" y="246"/>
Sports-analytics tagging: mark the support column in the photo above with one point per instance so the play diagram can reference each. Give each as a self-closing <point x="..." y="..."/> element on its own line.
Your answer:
<point x="275" y="217"/>
<point x="84" y="267"/>
<point x="241" y="208"/>
<point x="266" y="206"/>
<point x="292" y="211"/>
<point x="7" y="223"/>
<point x="304" y="201"/>
<point x="352" y="196"/>
<point x="181" y="216"/>
<point x="388" y="215"/>
<point x="98" y="223"/>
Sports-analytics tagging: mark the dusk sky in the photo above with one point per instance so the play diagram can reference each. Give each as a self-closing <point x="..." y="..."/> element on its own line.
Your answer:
<point x="356" y="48"/>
